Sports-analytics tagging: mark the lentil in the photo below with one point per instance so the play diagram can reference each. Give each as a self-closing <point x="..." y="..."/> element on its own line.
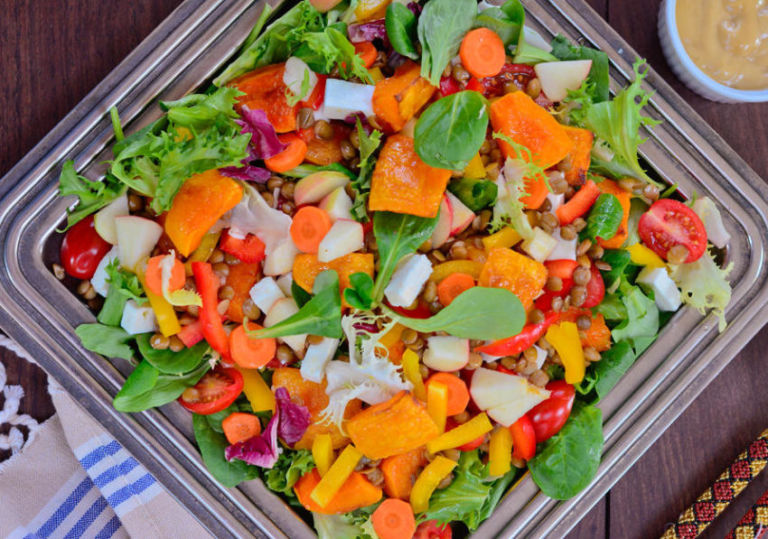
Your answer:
<point x="581" y="275"/>
<point x="223" y="306"/>
<point x="583" y="247"/>
<point x="354" y="138"/>
<point x="287" y="190"/>
<point x="595" y="252"/>
<point x="424" y="371"/>
<point x="475" y="361"/>
<point x="531" y="354"/>
<point x="226" y="292"/>
<point x="430" y="292"/>
<point x="557" y="304"/>
<point x="287" y="207"/>
<point x="584" y="322"/>
<point x="216" y="256"/>
<point x="284" y="354"/>
<point x="539" y="378"/>
<point x="554" y="283"/>
<point x="536" y="316"/>
<point x="558" y="183"/>
<point x="603" y="266"/>
<point x="314" y="339"/>
<point x="58" y="272"/>
<point x="305" y="118"/>
<point x="135" y="203"/>
<point x="533" y="88"/>
<point x="274" y="182"/>
<point x="579" y="224"/>
<point x="568" y="233"/>
<point x="578" y="295"/>
<point x="460" y="74"/>
<point x="231" y="259"/>
<point x="175" y="344"/>
<point x="566" y="164"/>
<point x="323" y="130"/>
<point x="591" y="355"/>
<point x="447" y="480"/>
<point x="459" y="251"/>
<point x="250" y="310"/>
<point x="83" y="287"/>
<point x="461" y="417"/>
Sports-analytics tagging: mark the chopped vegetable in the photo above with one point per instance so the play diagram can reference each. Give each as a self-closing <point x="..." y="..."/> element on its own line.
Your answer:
<point x="240" y="426"/>
<point x="400" y="472"/>
<point x="322" y="453"/>
<point x="208" y="286"/>
<point x="437" y="403"/>
<point x="500" y="452"/>
<point x="482" y="53"/>
<point x="410" y="363"/>
<point x="517" y="273"/>
<point x="309" y="227"/>
<point x="580" y="155"/>
<point x="458" y="395"/>
<point x="354" y="493"/>
<point x="579" y="204"/>
<point x="464" y="433"/>
<point x="393" y="519"/>
<point x="564" y="337"/>
<point x="442" y="25"/>
<point x="427" y="482"/>
<point x="452" y="286"/>
<point x="468" y="267"/>
<point x="249" y="352"/>
<point x="397" y="99"/>
<point x="336" y="476"/>
<point x="257" y="391"/>
<point x="291" y="157"/>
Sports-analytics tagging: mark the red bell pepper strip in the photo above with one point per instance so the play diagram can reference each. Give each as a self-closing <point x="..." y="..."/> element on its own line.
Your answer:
<point x="191" y="334"/>
<point x="579" y="204"/>
<point x="544" y="301"/>
<point x="523" y="438"/>
<point x="476" y="86"/>
<point x="421" y="311"/>
<point x="208" y="287"/>
<point x="531" y="333"/>
<point x="448" y="86"/>
<point x="595" y="289"/>
<point x="249" y="249"/>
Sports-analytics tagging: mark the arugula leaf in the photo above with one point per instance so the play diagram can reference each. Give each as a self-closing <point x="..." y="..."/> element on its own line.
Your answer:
<point x="362" y="184"/>
<point x="91" y="195"/>
<point x="451" y="130"/>
<point x="641" y="325"/>
<point x="288" y="469"/>
<point x="105" y="340"/>
<point x="321" y="315"/>
<point x="401" y="30"/>
<point x="147" y="387"/>
<point x="599" y="87"/>
<point x="477" y="313"/>
<point x="612" y="308"/>
<point x="475" y="193"/>
<point x="567" y="462"/>
<point x="359" y="295"/>
<point x="397" y="235"/>
<point x="442" y="26"/>
<point x="604" y="218"/>
<point x="703" y="285"/>
<point x="212" y="445"/>
<point x="168" y="361"/>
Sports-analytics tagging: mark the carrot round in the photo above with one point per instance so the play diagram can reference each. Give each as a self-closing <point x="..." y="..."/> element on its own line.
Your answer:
<point x="393" y="519"/>
<point x="452" y="286"/>
<point x="482" y="53"/>
<point x="309" y="227"/>
<point x="240" y="426"/>
<point x="458" y="394"/>
<point x="289" y="158"/>
<point x="154" y="275"/>
<point x="249" y="352"/>
<point x="367" y="52"/>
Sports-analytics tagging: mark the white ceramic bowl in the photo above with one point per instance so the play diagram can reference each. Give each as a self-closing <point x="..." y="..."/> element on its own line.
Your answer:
<point x="689" y="72"/>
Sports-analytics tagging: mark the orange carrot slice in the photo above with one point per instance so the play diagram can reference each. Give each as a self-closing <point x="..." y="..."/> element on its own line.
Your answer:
<point x="289" y="158"/>
<point x="482" y="53"/>
<point x="453" y="285"/>
<point x="309" y="227"/>
<point x="249" y="352"/>
<point x="240" y="426"/>
<point x="393" y="519"/>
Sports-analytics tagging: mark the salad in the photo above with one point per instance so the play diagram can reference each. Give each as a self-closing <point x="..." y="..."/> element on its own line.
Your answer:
<point x="390" y="259"/>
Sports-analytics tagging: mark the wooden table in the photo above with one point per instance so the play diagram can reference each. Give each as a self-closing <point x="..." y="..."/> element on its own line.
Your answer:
<point x="52" y="53"/>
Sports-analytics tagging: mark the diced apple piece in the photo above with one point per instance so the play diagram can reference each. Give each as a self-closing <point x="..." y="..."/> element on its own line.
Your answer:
<point x="713" y="221"/>
<point x="311" y="189"/>
<point x="104" y="220"/>
<point x="295" y="73"/>
<point x="447" y="354"/>
<point x="343" y="238"/>
<point x="514" y="409"/>
<point x="557" y="78"/>
<point x="282" y="309"/>
<point x="564" y="249"/>
<point x="136" y="237"/>
<point x="265" y="294"/>
<point x="285" y="283"/>
<point x="462" y="216"/>
<point x="495" y="390"/>
<point x="540" y="245"/>
<point x="280" y="260"/>
<point x="443" y="228"/>
<point x="317" y="358"/>
<point x="337" y="204"/>
<point x="409" y="278"/>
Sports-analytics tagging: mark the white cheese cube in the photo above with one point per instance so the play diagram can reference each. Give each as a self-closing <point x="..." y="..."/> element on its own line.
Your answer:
<point x="265" y="293"/>
<point x="285" y="282"/>
<point x="564" y="249"/>
<point x="316" y="359"/>
<point x="138" y="319"/>
<point x="540" y="245"/>
<point x="99" y="279"/>
<point x="343" y="98"/>
<point x="409" y="278"/>
<point x="664" y="288"/>
<point x="282" y="309"/>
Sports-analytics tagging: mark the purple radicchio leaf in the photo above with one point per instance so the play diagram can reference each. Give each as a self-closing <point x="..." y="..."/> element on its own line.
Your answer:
<point x="248" y="173"/>
<point x="294" y="418"/>
<point x="262" y="450"/>
<point x="264" y="140"/>
<point x="351" y="119"/>
<point x="415" y="8"/>
<point x="368" y="31"/>
<point x="366" y="327"/>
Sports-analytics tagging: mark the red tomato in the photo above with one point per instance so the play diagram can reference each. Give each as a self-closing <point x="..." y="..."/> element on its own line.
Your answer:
<point x="421" y="311"/>
<point x="595" y="289"/>
<point x="429" y="529"/>
<point x="83" y="249"/>
<point x="548" y="417"/>
<point x="668" y="223"/>
<point x="523" y="439"/>
<point x="448" y="86"/>
<point x="216" y="390"/>
<point x="562" y="268"/>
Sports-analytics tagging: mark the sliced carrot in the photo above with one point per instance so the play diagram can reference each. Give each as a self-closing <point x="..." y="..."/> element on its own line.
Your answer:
<point x="458" y="394"/>
<point x="482" y="53"/>
<point x="394" y="519"/>
<point x="452" y="286"/>
<point x="400" y="471"/>
<point x="154" y="275"/>
<point x="289" y="158"/>
<point x="240" y="426"/>
<point x="367" y="51"/>
<point x="250" y="352"/>
<point x="309" y="227"/>
<point x="537" y="191"/>
<point x="579" y="204"/>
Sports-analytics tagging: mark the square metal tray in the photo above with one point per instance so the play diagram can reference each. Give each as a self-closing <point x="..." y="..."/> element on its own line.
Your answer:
<point x="181" y="55"/>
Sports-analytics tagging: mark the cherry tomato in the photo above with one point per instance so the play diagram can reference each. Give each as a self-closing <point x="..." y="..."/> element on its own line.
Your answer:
<point x="668" y="223"/>
<point x="216" y="390"/>
<point x="548" y="417"/>
<point x="83" y="249"/>
<point x="448" y="86"/>
<point x="430" y="529"/>
<point x="523" y="439"/>
<point x="595" y="289"/>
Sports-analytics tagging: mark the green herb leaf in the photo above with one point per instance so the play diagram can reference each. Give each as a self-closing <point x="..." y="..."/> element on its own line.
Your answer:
<point x="476" y="194"/>
<point x="168" y="361"/>
<point x="362" y="183"/>
<point x="619" y="260"/>
<point x="442" y="26"/>
<point x="641" y="325"/>
<point x="401" y="30"/>
<point x="147" y="387"/>
<point x="568" y="461"/>
<point x="300" y="296"/>
<point x="105" y="340"/>
<point x="507" y="23"/>
<point x="91" y="195"/>
<point x="288" y="469"/>
<point x="359" y="295"/>
<point x="397" y="235"/>
<point x="599" y="78"/>
<point x="212" y="445"/>
<point x="117" y="127"/>
<point x="604" y="218"/>
<point x="477" y="313"/>
<point x="613" y="364"/>
<point x="123" y="286"/>
<point x="452" y="129"/>
<point x="324" y="51"/>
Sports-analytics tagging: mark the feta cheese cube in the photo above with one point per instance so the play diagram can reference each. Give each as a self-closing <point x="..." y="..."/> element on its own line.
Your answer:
<point x="540" y="245"/>
<point x="665" y="290"/>
<point x="409" y="278"/>
<point x="138" y="319"/>
<point x="564" y="249"/>
<point x="316" y="359"/>
<point x="99" y="279"/>
<point x="343" y="98"/>
<point x="265" y="293"/>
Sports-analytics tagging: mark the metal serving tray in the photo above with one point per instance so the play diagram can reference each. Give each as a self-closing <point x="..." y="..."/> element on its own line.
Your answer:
<point x="182" y="54"/>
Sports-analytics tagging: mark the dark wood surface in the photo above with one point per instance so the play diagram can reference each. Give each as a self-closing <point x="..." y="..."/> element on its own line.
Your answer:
<point x="52" y="53"/>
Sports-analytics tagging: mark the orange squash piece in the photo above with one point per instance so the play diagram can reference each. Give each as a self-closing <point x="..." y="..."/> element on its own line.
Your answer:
<point x="367" y="10"/>
<point x="313" y="396"/>
<point x="398" y="98"/>
<point x="518" y="116"/>
<point x="625" y="199"/>
<point x="392" y="427"/>
<point x="400" y="472"/>
<point x="403" y="183"/>
<point x="523" y="276"/>
<point x="598" y="336"/>
<point x="200" y="202"/>
<point x="306" y="267"/>
<point x="581" y="154"/>
<point x="324" y="152"/>
<point x="264" y="89"/>
<point x="355" y="493"/>
<point x="241" y="278"/>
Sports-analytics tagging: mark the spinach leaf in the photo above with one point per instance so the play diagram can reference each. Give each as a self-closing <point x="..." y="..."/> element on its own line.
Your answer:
<point x="401" y="30"/>
<point x="105" y="340"/>
<point x="362" y="183"/>
<point x="91" y="195"/>
<point x="359" y="295"/>
<point x="147" y="388"/>
<point x="477" y="313"/>
<point x="450" y="132"/>
<point x="168" y="361"/>
<point x="619" y="260"/>
<point x="212" y="445"/>
<point x="288" y="469"/>
<point x="604" y="218"/>
<point x="442" y="26"/>
<point x="568" y="461"/>
<point x="300" y="296"/>
<point x="507" y="23"/>
<point x="476" y="194"/>
<point x="641" y="325"/>
<point x="563" y="49"/>
<point x="321" y="315"/>
<point x="397" y="235"/>
<point x="613" y="364"/>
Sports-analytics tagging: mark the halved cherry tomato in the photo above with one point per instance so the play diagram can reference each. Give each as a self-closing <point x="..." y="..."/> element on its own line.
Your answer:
<point x="216" y="390"/>
<point x="668" y="223"/>
<point x="548" y="417"/>
<point x="448" y="86"/>
<point x="523" y="439"/>
<point x="562" y="268"/>
<point x="544" y="301"/>
<point x="83" y="249"/>
<point x="595" y="289"/>
<point x="430" y="529"/>
<point x="249" y="249"/>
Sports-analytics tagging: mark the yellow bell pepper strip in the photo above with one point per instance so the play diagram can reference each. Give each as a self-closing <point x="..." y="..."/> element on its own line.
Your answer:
<point x="500" y="452"/>
<point x="203" y="252"/>
<point x="336" y="475"/>
<point x="475" y="168"/>
<point x="564" y="337"/>
<point x="322" y="453"/>
<point x="470" y="267"/>
<point x="643" y="256"/>
<point x="463" y="434"/>
<point x="437" y="404"/>
<point x="506" y="237"/>
<point x="413" y="374"/>
<point x="257" y="391"/>
<point x="427" y="482"/>
<point x="167" y="321"/>
<point x="376" y="74"/>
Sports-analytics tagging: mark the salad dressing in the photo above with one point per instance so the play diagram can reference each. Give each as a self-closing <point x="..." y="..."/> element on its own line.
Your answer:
<point x="727" y="39"/>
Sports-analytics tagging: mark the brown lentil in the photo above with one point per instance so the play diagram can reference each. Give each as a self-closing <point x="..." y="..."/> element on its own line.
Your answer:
<point x="579" y="224"/>
<point x="583" y="247"/>
<point x="306" y="117"/>
<point x="531" y="354"/>
<point x="677" y="254"/>
<point x="570" y="192"/>
<point x="354" y="138"/>
<point x="175" y="344"/>
<point x="533" y="88"/>
<point x="581" y="275"/>
<point x="510" y="87"/>
<point x="90" y="293"/>
<point x="250" y="310"/>
<point x="595" y="252"/>
<point x="193" y="310"/>
<point x="460" y="74"/>
<point x="603" y="266"/>
<point x="459" y="251"/>
<point x="158" y="341"/>
<point x="58" y="272"/>
<point x="495" y="155"/>
<point x="221" y="269"/>
<point x="216" y="256"/>
<point x="546" y="206"/>
<point x="185" y="319"/>
<point x="485" y="159"/>
<point x="558" y="183"/>
<point x="447" y="71"/>
<point x="509" y="362"/>
<point x="83" y="287"/>
<point x="223" y="306"/>
<point x="554" y="283"/>
<point x="447" y="480"/>
<point x="536" y="316"/>
<point x="430" y="292"/>
<point x="492" y="171"/>
<point x="591" y="355"/>
<point x="461" y="417"/>
<point x="323" y="130"/>
<point x="284" y="354"/>
<point x="578" y="295"/>
<point x="557" y="304"/>
<point x="231" y="259"/>
<point x="568" y="233"/>
<point x="135" y="203"/>
<point x="269" y="199"/>
<point x="549" y="222"/>
<point x="424" y="371"/>
<point x="409" y="336"/>
<point x="539" y="378"/>
<point x="274" y="182"/>
<point x="226" y="292"/>
<point x="630" y="184"/>
<point x="416" y="346"/>
<point x="347" y="149"/>
<point x="566" y="164"/>
<point x="452" y="454"/>
<point x="287" y="190"/>
<point x="375" y="476"/>
<point x="287" y="207"/>
<point x="475" y="361"/>
<point x="486" y="147"/>
<point x="651" y="192"/>
<point x="584" y="322"/>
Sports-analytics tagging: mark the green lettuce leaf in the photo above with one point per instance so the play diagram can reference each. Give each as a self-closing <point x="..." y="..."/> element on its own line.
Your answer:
<point x="288" y="469"/>
<point x="123" y="286"/>
<point x="704" y="286"/>
<point x="105" y="340"/>
<point x="641" y="325"/>
<point x="362" y="183"/>
<point x="91" y="195"/>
